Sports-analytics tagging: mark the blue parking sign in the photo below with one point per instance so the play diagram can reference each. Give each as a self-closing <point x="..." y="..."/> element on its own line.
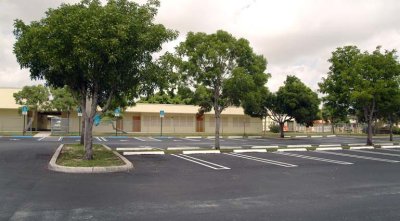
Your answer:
<point x="162" y="113"/>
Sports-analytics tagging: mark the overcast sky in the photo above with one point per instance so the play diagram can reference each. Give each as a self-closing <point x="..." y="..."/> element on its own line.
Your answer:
<point x="296" y="36"/>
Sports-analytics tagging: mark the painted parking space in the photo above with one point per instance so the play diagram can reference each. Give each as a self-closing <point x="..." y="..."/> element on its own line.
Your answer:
<point x="349" y="154"/>
<point x="303" y="156"/>
<point x="201" y="162"/>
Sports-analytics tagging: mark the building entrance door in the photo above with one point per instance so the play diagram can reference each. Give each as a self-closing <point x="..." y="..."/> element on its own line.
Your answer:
<point x="200" y="123"/>
<point x="136" y="124"/>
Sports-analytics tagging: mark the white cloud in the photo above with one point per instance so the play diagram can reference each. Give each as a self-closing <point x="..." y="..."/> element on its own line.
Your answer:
<point x="296" y="36"/>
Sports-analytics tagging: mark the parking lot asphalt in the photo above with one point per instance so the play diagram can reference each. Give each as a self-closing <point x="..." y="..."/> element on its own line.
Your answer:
<point x="311" y="185"/>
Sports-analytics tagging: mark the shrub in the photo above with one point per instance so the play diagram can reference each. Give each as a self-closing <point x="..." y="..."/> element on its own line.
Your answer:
<point x="274" y="128"/>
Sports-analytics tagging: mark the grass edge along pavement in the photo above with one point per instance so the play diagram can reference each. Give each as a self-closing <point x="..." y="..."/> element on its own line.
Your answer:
<point x="124" y="164"/>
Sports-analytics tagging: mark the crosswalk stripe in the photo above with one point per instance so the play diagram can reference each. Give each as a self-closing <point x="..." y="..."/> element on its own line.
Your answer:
<point x="137" y="138"/>
<point x="190" y="139"/>
<point x="154" y="139"/>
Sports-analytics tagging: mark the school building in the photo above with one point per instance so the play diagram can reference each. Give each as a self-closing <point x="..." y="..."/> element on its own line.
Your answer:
<point x="141" y="119"/>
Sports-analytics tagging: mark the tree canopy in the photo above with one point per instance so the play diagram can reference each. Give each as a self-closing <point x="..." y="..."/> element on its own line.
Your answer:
<point x="360" y="83"/>
<point x="100" y="52"/>
<point x="221" y="69"/>
<point x="293" y="101"/>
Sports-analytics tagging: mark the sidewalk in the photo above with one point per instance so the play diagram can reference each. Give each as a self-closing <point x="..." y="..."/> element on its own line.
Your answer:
<point x="43" y="134"/>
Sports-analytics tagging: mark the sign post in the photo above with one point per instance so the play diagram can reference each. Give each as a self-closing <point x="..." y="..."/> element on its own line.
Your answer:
<point x="162" y="114"/>
<point x="24" y="112"/>
<point x="117" y="113"/>
<point x="79" y="110"/>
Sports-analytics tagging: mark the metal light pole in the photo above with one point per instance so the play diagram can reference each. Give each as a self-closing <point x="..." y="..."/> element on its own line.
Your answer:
<point x="79" y="119"/>
<point x="24" y="112"/>
<point x="117" y="112"/>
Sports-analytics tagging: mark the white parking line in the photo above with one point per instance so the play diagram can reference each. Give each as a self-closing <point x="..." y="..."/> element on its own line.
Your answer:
<point x="60" y="139"/>
<point x="357" y="156"/>
<point x="314" y="158"/>
<point x="378" y="153"/>
<point x="104" y="138"/>
<point x="13" y="139"/>
<point x="41" y="138"/>
<point x="97" y="138"/>
<point x="262" y="160"/>
<point x="391" y="150"/>
<point x="201" y="162"/>
<point x="137" y="138"/>
<point x="190" y="139"/>
<point x="123" y="140"/>
<point x="153" y="139"/>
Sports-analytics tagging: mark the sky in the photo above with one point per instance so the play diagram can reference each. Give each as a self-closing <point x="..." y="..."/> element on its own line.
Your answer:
<point x="296" y="37"/>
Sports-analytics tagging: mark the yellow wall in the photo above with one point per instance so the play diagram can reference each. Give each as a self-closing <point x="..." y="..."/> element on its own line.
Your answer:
<point x="10" y="120"/>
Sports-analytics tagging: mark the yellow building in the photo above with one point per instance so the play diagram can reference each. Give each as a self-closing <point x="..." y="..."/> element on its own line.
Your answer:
<point x="142" y="118"/>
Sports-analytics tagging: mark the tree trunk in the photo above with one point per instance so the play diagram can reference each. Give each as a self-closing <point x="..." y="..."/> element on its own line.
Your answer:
<point x="369" y="136"/>
<point x="217" y="126"/>
<point x="82" y="142"/>
<point x="83" y="109"/>
<point x="390" y="129"/>
<point x="88" y="141"/>
<point x="281" y="125"/>
<point x="68" y="122"/>
<point x="88" y="114"/>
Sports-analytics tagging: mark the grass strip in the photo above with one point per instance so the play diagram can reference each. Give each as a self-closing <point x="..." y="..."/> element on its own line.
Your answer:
<point x="72" y="156"/>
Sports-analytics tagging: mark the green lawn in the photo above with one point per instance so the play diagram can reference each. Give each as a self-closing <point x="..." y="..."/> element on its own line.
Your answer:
<point x="72" y="156"/>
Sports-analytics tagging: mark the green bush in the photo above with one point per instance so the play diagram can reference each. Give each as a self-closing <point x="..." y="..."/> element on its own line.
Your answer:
<point x="274" y="128"/>
<point x="396" y="130"/>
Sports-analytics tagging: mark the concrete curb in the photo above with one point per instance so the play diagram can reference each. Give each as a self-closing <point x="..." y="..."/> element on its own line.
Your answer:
<point x="144" y="153"/>
<point x="111" y="169"/>
<point x="388" y="147"/>
<point x="250" y="151"/>
<point x="200" y="151"/>
<point x="292" y="149"/>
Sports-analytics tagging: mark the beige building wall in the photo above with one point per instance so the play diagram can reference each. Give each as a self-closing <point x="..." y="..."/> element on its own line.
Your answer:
<point x="10" y="120"/>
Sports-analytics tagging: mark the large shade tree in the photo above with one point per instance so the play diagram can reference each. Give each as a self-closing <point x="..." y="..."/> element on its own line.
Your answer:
<point x="221" y="69"/>
<point x="293" y="101"/>
<point x="101" y="52"/>
<point x="361" y="83"/>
